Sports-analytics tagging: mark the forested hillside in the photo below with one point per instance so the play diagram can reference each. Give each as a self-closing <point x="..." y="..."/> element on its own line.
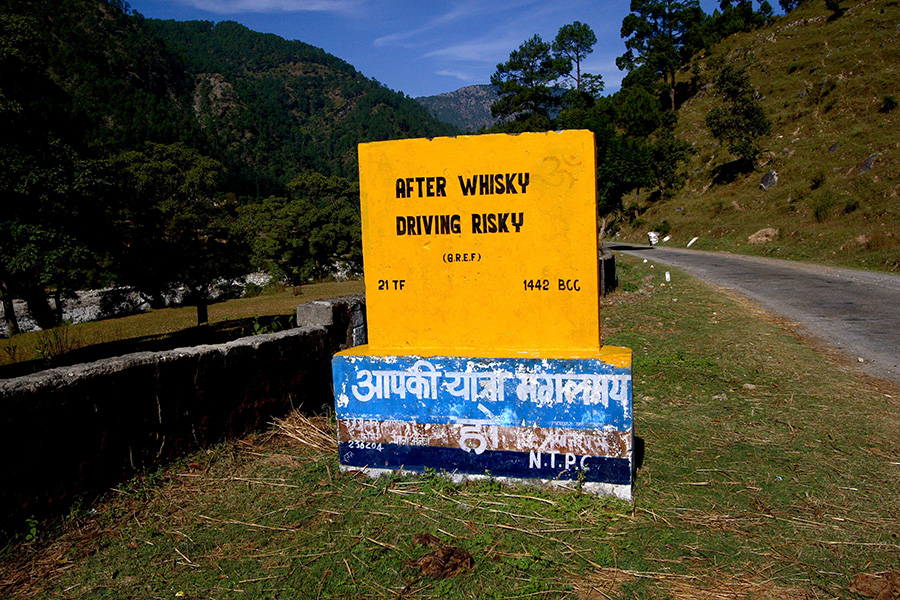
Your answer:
<point x="751" y="132"/>
<point x="157" y="154"/>
<point x="161" y="154"/>
<point x="827" y="83"/>
<point x="285" y="106"/>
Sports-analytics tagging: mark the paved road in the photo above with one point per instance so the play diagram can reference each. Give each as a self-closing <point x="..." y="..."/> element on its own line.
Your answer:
<point x="857" y="312"/>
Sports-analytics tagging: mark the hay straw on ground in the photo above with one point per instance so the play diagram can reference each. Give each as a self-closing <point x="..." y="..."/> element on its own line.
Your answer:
<point x="607" y="583"/>
<point x="316" y="433"/>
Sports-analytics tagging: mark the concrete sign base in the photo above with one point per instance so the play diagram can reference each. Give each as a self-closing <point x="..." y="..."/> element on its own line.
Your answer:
<point x="560" y="421"/>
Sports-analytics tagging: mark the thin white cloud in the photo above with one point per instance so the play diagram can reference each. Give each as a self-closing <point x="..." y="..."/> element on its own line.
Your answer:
<point x="229" y="7"/>
<point x="457" y="13"/>
<point x="485" y="50"/>
<point x="469" y="9"/>
<point x="602" y="65"/>
<point x="467" y="77"/>
<point x="504" y="35"/>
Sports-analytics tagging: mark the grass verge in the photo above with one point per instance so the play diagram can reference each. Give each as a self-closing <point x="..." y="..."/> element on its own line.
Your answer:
<point x="768" y="473"/>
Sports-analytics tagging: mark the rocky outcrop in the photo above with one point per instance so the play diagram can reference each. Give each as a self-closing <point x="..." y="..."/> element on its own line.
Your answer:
<point x="468" y="108"/>
<point x="763" y="236"/>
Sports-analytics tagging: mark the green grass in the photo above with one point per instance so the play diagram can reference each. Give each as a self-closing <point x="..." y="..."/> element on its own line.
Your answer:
<point x="769" y="472"/>
<point x="825" y="209"/>
<point x="56" y="341"/>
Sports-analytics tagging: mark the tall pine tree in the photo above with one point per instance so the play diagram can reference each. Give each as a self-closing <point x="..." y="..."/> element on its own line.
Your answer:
<point x="660" y="34"/>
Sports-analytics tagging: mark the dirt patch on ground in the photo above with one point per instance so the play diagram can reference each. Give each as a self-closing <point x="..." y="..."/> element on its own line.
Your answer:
<point x="881" y="586"/>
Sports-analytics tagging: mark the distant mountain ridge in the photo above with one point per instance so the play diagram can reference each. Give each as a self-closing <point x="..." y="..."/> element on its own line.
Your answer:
<point x="467" y="108"/>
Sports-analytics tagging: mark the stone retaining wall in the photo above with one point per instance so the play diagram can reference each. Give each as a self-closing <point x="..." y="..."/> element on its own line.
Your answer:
<point x="68" y="434"/>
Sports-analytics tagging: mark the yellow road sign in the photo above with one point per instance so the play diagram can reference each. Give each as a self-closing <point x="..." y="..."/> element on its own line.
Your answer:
<point x="481" y="245"/>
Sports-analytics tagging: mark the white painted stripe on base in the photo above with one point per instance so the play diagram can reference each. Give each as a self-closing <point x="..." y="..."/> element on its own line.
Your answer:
<point x="622" y="492"/>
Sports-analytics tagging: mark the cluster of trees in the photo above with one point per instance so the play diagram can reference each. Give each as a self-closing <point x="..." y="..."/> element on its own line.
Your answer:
<point x="161" y="154"/>
<point x="529" y="82"/>
<point x="299" y="237"/>
<point x="542" y="87"/>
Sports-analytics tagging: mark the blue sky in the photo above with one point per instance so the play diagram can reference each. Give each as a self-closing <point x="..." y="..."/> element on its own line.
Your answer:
<point x="419" y="47"/>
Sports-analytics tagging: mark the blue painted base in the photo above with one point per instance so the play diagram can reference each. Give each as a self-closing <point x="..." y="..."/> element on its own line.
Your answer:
<point x="523" y="419"/>
<point x="502" y="463"/>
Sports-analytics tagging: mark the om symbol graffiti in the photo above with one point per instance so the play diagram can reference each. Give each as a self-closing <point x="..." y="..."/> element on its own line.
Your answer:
<point x="559" y="174"/>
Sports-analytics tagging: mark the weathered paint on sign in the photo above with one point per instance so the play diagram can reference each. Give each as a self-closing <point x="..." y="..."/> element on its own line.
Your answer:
<point x="481" y="437"/>
<point x="481" y="244"/>
<point x="545" y="419"/>
<point x="582" y="393"/>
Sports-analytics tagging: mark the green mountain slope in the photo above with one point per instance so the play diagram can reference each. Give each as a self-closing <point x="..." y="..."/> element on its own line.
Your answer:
<point x="266" y="107"/>
<point x="827" y="85"/>
<point x="286" y="106"/>
<point x="116" y="84"/>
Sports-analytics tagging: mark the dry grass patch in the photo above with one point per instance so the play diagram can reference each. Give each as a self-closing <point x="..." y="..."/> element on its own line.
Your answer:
<point x="273" y="516"/>
<point x="604" y="584"/>
<point x="317" y="434"/>
<point x="711" y="587"/>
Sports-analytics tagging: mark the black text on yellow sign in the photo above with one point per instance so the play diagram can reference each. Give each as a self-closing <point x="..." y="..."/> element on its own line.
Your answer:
<point x="485" y="184"/>
<point x="502" y="222"/>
